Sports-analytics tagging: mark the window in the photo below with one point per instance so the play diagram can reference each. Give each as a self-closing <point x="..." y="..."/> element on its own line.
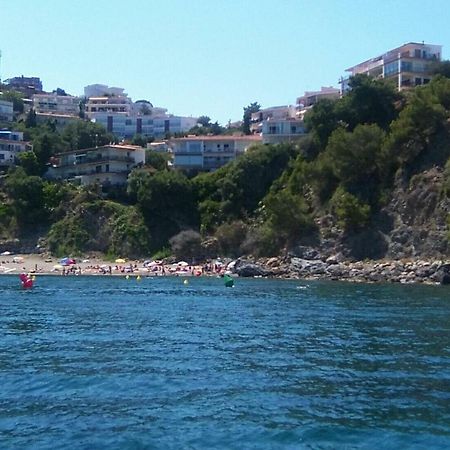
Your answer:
<point x="107" y="168"/>
<point x="2" y="156"/>
<point x="407" y="66"/>
<point x="98" y="169"/>
<point x="195" y="147"/>
<point x="406" y="82"/>
<point x="391" y="68"/>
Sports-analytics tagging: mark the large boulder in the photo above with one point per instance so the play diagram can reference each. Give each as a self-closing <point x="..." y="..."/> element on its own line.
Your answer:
<point x="443" y="274"/>
<point x="249" y="269"/>
<point x="308" y="266"/>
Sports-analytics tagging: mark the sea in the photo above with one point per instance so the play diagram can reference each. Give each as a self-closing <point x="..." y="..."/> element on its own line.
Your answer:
<point x="187" y="363"/>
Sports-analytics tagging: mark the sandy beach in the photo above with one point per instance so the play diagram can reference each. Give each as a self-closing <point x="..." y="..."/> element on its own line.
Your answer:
<point x="49" y="265"/>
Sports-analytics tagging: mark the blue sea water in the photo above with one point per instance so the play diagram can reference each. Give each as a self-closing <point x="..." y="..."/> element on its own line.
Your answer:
<point x="110" y="363"/>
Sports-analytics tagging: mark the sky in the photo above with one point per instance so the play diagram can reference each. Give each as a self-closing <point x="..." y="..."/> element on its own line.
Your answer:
<point x="208" y="57"/>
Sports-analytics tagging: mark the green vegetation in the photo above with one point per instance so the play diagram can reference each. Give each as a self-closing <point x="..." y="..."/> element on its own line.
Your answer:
<point x="248" y="111"/>
<point x="266" y="201"/>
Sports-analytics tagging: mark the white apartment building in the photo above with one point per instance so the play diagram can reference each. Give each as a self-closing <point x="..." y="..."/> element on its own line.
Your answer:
<point x="407" y="66"/>
<point x="102" y="90"/>
<point x="275" y="112"/>
<point x="11" y="144"/>
<point x="106" y="165"/>
<point x="275" y="131"/>
<point x="56" y="104"/>
<point x="116" y="105"/>
<point x="209" y="152"/>
<point x="126" y="126"/>
<point x="6" y="111"/>
<point x="59" y="120"/>
<point x="310" y="98"/>
<point x="119" y="115"/>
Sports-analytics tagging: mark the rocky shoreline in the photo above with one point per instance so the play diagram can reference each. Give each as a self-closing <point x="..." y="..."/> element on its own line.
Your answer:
<point x="308" y="267"/>
<point x="402" y="271"/>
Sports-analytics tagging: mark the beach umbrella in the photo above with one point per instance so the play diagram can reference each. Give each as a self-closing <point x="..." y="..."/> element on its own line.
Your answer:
<point x="6" y="253"/>
<point x="183" y="263"/>
<point x="120" y="261"/>
<point x="17" y="259"/>
<point x="67" y="261"/>
<point x="58" y="267"/>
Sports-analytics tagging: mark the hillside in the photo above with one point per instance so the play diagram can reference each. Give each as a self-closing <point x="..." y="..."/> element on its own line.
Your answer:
<point x="370" y="181"/>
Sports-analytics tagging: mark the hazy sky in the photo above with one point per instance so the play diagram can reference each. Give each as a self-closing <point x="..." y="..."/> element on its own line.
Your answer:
<point x="213" y="57"/>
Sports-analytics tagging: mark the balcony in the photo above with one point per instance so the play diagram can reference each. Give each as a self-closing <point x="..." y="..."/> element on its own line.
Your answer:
<point x="221" y="153"/>
<point x="97" y="159"/>
<point x="78" y="173"/>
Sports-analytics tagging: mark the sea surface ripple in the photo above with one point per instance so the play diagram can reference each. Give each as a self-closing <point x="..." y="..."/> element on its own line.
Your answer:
<point x="111" y="363"/>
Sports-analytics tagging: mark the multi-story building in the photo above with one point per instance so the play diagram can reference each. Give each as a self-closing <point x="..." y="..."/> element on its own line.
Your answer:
<point x="58" y="104"/>
<point x="127" y="125"/>
<point x="106" y="165"/>
<point x="209" y="152"/>
<point x="120" y="116"/>
<point x="310" y="98"/>
<point x="102" y="90"/>
<point x="58" y="120"/>
<point x="170" y="124"/>
<point x="277" y="124"/>
<point x="116" y="104"/>
<point x="406" y="66"/>
<point x="27" y="85"/>
<point x="6" y="111"/>
<point x="11" y="144"/>
<point x="275" y="112"/>
<point x="275" y="131"/>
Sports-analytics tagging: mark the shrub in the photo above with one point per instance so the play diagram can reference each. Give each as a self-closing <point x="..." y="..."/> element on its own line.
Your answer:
<point x="186" y="244"/>
<point x="262" y="241"/>
<point x="350" y="212"/>
<point x="230" y="237"/>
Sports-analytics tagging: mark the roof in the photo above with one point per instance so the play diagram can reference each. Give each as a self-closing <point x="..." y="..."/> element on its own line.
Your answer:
<point x="12" y="141"/>
<point x="114" y="146"/>
<point x="52" y="114"/>
<point x="250" y="137"/>
<point x="380" y="57"/>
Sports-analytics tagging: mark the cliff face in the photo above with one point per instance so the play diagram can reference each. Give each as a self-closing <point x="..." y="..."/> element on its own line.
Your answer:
<point x="412" y="225"/>
<point x="419" y="212"/>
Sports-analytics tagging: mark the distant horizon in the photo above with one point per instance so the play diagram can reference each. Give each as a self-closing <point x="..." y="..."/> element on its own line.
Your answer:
<point x="208" y="58"/>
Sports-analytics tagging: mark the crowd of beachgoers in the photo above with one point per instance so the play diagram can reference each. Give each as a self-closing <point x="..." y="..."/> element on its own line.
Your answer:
<point x="39" y="264"/>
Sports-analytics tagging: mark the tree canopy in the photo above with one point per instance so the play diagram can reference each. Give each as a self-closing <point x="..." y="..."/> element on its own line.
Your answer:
<point x="248" y="111"/>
